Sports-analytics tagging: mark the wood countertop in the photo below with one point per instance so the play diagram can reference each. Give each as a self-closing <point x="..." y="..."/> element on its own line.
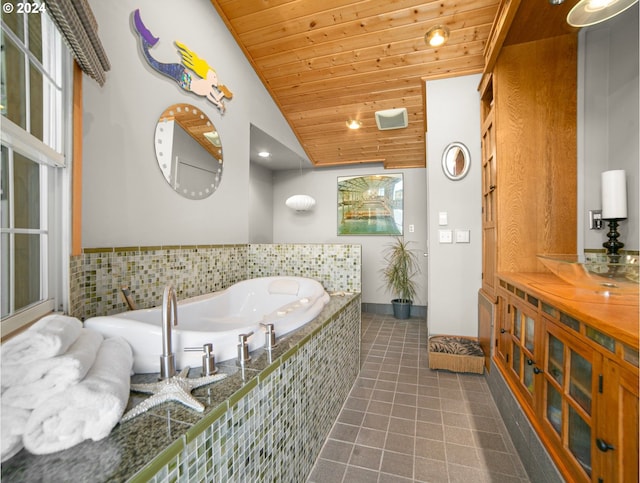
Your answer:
<point x="617" y="315"/>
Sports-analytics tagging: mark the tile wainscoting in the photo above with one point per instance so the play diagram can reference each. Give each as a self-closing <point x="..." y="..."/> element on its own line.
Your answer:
<point x="267" y="422"/>
<point x="98" y="274"/>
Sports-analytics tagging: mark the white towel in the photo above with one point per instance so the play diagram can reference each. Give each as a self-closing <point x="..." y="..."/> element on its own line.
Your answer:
<point x="13" y="422"/>
<point x="87" y="410"/>
<point x="49" y="337"/>
<point x="29" y="385"/>
<point x="284" y="287"/>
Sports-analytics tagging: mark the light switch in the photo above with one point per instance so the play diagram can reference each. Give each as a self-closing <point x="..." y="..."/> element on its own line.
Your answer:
<point x="462" y="236"/>
<point x="442" y="218"/>
<point x="445" y="236"/>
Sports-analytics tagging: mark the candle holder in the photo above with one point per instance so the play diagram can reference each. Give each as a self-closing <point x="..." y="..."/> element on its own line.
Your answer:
<point x="613" y="245"/>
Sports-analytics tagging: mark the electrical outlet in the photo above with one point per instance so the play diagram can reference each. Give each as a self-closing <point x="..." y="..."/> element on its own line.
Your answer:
<point x="412" y="228"/>
<point x="595" y="220"/>
<point x="445" y="236"/>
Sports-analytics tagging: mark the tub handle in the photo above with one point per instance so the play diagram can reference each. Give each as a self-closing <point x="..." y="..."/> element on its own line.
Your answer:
<point x="208" y="359"/>
<point x="269" y="336"/>
<point x="243" y="348"/>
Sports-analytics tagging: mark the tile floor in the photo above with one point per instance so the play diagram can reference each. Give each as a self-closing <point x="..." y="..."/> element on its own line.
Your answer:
<point x="404" y="422"/>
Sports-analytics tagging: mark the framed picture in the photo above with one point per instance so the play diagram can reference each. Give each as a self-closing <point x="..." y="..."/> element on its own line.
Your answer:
<point x="370" y="205"/>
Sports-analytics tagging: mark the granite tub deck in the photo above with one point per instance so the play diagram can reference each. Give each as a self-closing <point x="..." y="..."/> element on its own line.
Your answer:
<point x="268" y="426"/>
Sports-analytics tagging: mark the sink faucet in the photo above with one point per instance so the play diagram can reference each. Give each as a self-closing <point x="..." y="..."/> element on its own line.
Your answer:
<point x="169" y="318"/>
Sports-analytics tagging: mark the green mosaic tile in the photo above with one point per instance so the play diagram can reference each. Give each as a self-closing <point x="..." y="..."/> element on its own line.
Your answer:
<point x="236" y="397"/>
<point x="197" y="429"/>
<point x="165" y="459"/>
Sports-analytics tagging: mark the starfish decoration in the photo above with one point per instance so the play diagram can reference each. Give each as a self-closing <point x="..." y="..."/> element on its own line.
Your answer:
<point x="176" y="388"/>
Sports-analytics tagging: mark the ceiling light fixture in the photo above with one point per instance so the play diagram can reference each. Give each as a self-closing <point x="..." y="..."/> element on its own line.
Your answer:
<point x="300" y="202"/>
<point x="354" y="124"/>
<point x="264" y="154"/>
<point x="590" y="12"/>
<point x="437" y="36"/>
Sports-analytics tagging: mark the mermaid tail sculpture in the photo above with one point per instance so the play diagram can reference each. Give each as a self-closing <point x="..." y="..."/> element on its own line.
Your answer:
<point x="205" y="81"/>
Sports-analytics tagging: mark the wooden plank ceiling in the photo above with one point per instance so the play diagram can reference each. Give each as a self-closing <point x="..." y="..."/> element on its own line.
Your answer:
<point x="328" y="61"/>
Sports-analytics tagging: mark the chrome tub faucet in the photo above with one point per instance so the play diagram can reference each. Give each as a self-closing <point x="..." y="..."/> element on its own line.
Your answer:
<point x="169" y="318"/>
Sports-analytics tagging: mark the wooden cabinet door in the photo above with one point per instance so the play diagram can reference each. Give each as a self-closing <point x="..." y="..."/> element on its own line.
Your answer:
<point x="488" y="196"/>
<point x="503" y="330"/>
<point x="569" y="401"/>
<point x="616" y="437"/>
<point x="521" y="345"/>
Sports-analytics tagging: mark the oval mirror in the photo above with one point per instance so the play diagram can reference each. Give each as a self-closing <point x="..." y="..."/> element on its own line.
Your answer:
<point x="456" y="161"/>
<point x="189" y="151"/>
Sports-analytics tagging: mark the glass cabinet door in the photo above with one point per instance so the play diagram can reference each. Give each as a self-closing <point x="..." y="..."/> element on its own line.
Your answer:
<point x="523" y="350"/>
<point x="568" y="392"/>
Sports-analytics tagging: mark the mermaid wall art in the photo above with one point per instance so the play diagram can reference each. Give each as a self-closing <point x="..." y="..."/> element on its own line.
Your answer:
<point x="193" y="74"/>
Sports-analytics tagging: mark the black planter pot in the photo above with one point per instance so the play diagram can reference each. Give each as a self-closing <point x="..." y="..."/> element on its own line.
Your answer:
<point x="401" y="308"/>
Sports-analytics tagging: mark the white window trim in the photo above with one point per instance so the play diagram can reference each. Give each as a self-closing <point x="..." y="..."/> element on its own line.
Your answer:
<point x="59" y="246"/>
<point x="23" y="142"/>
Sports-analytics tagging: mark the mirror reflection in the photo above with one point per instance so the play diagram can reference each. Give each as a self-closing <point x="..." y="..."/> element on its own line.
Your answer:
<point x="455" y="161"/>
<point x="189" y="151"/>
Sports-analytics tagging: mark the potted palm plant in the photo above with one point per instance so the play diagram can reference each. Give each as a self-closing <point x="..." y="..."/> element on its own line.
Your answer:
<point x="399" y="276"/>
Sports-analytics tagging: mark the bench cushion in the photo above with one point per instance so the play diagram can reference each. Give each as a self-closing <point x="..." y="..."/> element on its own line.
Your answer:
<point x="456" y="354"/>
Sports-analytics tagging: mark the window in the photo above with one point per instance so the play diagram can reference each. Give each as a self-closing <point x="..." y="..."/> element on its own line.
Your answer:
<point x="34" y="199"/>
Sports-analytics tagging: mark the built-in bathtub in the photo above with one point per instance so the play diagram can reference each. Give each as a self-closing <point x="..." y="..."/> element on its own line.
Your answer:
<point x="218" y="318"/>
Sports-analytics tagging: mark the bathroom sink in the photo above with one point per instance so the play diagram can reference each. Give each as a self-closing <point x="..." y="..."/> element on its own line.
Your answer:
<point x="596" y="271"/>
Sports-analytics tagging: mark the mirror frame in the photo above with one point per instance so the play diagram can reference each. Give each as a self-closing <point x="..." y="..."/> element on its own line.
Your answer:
<point x="467" y="160"/>
<point x="197" y="125"/>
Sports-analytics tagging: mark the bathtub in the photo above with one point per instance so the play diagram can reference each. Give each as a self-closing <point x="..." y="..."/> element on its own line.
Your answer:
<point x="217" y="318"/>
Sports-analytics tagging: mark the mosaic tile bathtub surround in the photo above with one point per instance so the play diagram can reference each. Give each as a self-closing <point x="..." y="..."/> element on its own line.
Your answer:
<point x="98" y="274"/>
<point x="273" y="429"/>
<point x="337" y="266"/>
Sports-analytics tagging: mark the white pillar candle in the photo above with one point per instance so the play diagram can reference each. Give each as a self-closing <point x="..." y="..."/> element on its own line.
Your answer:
<point x="614" y="194"/>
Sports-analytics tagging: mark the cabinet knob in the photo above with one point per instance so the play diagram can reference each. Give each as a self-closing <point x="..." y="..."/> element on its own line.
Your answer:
<point x="502" y="331"/>
<point x="529" y="361"/>
<point x="492" y="188"/>
<point x="537" y="371"/>
<point x="603" y="445"/>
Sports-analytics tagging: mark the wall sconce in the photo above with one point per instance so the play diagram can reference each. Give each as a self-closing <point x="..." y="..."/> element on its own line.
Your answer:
<point x="300" y="202"/>
<point x="614" y="208"/>
<point x="354" y="124"/>
<point x="436" y="36"/>
<point x="591" y="12"/>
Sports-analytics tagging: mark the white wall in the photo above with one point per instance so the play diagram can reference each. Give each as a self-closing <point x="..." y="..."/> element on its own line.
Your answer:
<point x="608" y="128"/>
<point x="260" y="205"/>
<point x="453" y="114"/>
<point x="320" y="225"/>
<point x="126" y="201"/>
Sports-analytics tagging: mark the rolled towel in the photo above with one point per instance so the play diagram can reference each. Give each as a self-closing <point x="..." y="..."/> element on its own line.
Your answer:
<point x="87" y="410"/>
<point x="49" y="337"/>
<point x="30" y="385"/>
<point x="13" y="422"/>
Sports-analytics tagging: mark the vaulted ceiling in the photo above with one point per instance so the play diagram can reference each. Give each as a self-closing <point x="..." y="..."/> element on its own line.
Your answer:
<point x="328" y="61"/>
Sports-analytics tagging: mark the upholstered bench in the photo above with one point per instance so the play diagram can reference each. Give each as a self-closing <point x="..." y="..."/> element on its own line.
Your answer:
<point x="455" y="353"/>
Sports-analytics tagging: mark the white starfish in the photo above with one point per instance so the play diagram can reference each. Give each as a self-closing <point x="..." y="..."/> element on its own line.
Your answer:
<point x="176" y="388"/>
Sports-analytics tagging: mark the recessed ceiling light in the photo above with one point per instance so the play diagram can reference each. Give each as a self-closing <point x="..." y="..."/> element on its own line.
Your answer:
<point x="437" y="36"/>
<point x="354" y="124"/>
<point x="264" y="154"/>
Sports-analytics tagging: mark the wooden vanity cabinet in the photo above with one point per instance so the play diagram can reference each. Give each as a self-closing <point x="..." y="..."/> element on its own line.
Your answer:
<point x="577" y="384"/>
